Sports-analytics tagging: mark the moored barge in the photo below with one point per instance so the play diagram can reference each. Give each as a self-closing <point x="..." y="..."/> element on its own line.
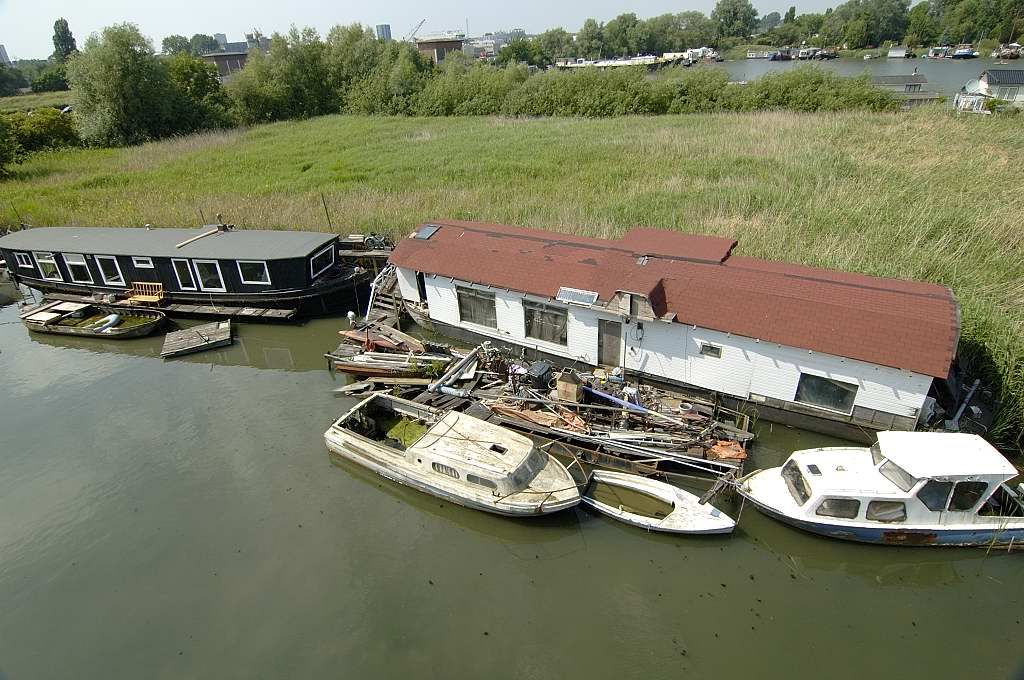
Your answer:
<point x="215" y="265"/>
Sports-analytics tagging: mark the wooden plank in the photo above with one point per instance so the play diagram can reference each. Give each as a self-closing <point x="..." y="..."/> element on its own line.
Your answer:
<point x="197" y="339"/>
<point x="400" y="381"/>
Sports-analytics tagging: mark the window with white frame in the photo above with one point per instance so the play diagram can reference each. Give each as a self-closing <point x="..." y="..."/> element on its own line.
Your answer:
<point x="142" y="262"/>
<point x="322" y="261"/>
<point x="48" y="266"/>
<point x="183" y="272"/>
<point x="254" y="272"/>
<point x="78" y="268"/>
<point x="835" y="395"/>
<point x="208" y="273"/>
<point x="23" y="260"/>
<point x="110" y="270"/>
<point x="547" y="323"/>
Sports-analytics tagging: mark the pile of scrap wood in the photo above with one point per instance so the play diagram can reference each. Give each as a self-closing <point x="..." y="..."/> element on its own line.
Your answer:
<point x="377" y="350"/>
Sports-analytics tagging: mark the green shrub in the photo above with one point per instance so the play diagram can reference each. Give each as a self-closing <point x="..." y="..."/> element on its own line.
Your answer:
<point x="9" y="149"/>
<point x="53" y="79"/>
<point x="462" y="89"/>
<point x="43" y="129"/>
<point x="587" y="92"/>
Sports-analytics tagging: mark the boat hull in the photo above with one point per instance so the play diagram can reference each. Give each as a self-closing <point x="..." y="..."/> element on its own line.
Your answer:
<point x="351" y="451"/>
<point x="891" y="535"/>
<point x="157" y="319"/>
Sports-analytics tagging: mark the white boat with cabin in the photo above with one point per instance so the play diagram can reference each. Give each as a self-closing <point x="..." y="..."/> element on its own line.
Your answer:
<point x="453" y="456"/>
<point x="653" y="505"/>
<point x="909" y="488"/>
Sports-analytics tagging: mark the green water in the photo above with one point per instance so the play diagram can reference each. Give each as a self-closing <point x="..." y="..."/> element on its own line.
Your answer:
<point x="182" y="519"/>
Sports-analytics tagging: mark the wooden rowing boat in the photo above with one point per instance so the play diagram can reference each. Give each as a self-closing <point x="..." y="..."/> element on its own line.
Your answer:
<point x="653" y="505"/>
<point x="92" y="320"/>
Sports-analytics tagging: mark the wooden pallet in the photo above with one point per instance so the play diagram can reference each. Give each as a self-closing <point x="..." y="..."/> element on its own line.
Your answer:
<point x="197" y="339"/>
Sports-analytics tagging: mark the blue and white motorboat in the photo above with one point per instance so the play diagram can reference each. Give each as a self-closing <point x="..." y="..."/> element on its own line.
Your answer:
<point x="910" y="488"/>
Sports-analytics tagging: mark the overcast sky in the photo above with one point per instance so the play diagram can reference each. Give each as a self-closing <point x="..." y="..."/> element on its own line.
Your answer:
<point x="26" y="26"/>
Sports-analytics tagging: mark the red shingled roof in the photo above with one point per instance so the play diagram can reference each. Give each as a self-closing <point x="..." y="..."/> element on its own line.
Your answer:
<point x="904" y="324"/>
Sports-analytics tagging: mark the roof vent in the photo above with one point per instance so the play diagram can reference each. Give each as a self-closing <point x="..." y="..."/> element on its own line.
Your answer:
<point x="426" y="231"/>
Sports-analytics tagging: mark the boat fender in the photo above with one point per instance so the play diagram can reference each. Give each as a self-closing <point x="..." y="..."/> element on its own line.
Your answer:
<point x="107" y="323"/>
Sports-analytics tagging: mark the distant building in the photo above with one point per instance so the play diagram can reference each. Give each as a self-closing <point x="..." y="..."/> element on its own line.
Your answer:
<point x="383" y="31"/>
<point x="227" y="63"/>
<point x="221" y="39"/>
<point x="4" y="59"/>
<point x="438" y="47"/>
<point x="1005" y="84"/>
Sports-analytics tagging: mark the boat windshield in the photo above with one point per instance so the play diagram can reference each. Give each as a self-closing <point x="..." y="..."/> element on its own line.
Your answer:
<point x="897" y="475"/>
<point x="529" y="468"/>
<point x="795" y="482"/>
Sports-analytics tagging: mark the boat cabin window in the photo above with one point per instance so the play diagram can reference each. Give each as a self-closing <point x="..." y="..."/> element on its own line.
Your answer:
<point x="934" y="495"/>
<point x="142" y="262"/>
<point x="966" y="495"/>
<point x="77" y="267"/>
<point x="254" y="272"/>
<point x="796" y="482"/>
<point x="445" y="470"/>
<point x="183" y="272"/>
<point x="886" y="511"/>
<point x="476" y="306"/>
<point x="481" y="481"/>
<point x="709" y="350"/>
<point x="23" y="260"/>
<point x="845" y="508"/>
<point x="322" y="261"/>
<point x="48" y="267"/>
<point x="547" y="323"/>
<point x="835" y="395"/>
<point x="208" y="273"/>
<point x="109" y="270"/>
<point x="529" y="468"/>
<point x="897" y="475"/>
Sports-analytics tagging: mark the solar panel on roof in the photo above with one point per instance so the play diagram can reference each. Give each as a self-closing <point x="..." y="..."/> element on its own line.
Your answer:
<point x="427" y="231"/>
<point x="576" y="296"/>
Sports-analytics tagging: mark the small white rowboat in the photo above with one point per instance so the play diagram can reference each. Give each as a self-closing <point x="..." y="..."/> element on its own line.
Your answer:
<point x="653" y="505"/>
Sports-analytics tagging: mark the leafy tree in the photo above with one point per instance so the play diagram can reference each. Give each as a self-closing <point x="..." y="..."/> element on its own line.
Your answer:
<point x="122" y="92"/>
<point x="203" y="44"/>
<point x="790" y="16"/>
<point x="522" y="51"/>
<point x="696" y="29"/>
<point x="922" y="29"/>
<point x="625" y="35"/>
<point x="590" y="40"/>
<point x="770" y="21"/>
<point x="175" y="44"/>
<point x="63" y="41"/>
<point x="352" y="52"/>
<point x="205" y="104"/>
<point x="292" y="81"/>
<point x="556" y="43"/>
<point x="735" y="18"/>
<point x="11" y="79"/>
<point x="53" y="79"/>
<point x="857" y="34"/>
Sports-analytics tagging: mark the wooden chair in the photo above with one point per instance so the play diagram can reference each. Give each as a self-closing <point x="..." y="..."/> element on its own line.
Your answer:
<point x="146" y="293"/>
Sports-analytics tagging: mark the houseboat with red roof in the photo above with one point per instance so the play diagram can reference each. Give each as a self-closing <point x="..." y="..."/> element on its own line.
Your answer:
<point x="837" y="351"/>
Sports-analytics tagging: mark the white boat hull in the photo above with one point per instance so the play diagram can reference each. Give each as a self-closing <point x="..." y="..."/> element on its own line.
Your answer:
<point x="688" y="516"/>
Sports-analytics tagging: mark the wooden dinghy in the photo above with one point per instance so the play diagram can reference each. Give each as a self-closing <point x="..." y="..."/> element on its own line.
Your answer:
<point x="92" y="320"/>
<point x="653" y="505"/>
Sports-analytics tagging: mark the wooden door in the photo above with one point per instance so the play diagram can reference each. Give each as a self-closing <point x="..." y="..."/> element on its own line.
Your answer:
<point x="609" y="343"/>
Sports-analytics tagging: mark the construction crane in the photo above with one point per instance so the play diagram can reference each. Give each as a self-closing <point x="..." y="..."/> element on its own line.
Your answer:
<point x="412" y="34"/>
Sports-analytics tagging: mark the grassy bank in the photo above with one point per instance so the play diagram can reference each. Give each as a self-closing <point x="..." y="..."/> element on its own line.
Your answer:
<point x="28" y="102"/>
<point x="924" y="196"/>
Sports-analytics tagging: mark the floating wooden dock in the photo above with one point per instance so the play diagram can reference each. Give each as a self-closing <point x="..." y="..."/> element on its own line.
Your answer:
<point x="176" y="309"/>
<point x="197" y="339"/>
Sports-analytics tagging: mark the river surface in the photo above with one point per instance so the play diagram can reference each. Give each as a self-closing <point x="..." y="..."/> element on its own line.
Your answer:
<point x="946" y="76"/>
<point x="170" y="519"/>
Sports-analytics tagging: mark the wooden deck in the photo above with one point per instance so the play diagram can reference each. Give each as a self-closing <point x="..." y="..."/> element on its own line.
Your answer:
<point x="197" y="339"/>
<point x="176" y="309"/>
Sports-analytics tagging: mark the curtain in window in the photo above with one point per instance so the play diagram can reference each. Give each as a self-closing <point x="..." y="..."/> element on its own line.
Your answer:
<point x="549" y="324"/>
<point x="476" y="306"/>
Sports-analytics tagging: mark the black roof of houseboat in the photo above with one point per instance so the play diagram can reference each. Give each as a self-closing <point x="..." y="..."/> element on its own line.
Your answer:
<point x="233" y="244"/>
<point x="1005" y="76"/>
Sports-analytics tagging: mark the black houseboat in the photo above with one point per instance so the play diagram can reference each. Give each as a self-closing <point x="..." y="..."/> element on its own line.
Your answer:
<point x="214" y="265"/>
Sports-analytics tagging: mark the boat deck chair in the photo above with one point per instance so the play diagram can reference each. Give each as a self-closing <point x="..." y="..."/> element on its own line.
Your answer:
<point x="146" y="294"/>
